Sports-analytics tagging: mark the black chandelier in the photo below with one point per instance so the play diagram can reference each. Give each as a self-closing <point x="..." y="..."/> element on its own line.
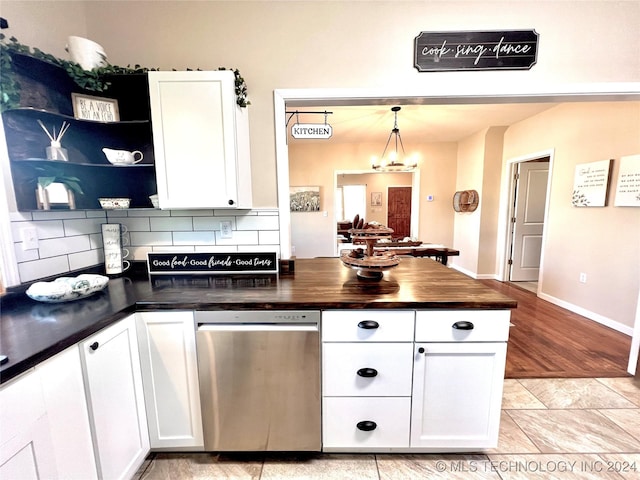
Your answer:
<point x="396" y="161"/>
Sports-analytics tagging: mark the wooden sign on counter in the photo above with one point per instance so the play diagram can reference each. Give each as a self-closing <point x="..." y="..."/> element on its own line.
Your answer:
<point x="211" y="263"/>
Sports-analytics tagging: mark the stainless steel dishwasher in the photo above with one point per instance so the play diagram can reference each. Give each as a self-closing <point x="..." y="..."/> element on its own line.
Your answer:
<point x="259" y="380"/>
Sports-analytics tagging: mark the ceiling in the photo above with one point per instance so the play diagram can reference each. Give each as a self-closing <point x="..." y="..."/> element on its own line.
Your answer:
<point x="417" y="123"/>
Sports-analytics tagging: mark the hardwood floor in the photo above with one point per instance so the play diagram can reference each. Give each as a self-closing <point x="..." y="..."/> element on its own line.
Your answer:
<point x="548" y="341"/>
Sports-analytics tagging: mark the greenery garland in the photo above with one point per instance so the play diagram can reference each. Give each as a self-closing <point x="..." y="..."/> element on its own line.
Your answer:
<point x="92" y="80"/>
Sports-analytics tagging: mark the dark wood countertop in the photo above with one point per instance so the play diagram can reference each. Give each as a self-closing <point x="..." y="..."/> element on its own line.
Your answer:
<point x="31" y="332"/>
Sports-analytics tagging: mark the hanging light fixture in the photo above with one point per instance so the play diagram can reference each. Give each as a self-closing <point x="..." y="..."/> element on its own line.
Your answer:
<point x="396" y="161"/>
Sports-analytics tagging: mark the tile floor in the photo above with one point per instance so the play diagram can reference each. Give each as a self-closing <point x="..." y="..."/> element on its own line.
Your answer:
<point x="550" y="429"/>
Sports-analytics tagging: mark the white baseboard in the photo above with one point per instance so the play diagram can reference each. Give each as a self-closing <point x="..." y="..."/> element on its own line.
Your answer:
<point x="476" y="276"/>
<point x="607" y="322"/>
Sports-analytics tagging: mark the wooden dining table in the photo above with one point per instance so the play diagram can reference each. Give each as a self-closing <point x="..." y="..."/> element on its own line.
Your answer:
<point x="437" y="251"/>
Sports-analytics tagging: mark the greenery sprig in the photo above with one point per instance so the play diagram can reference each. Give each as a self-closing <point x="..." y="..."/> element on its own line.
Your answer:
<point x="95" y="80"/>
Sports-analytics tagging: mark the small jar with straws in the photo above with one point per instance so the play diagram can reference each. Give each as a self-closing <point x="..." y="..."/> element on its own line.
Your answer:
<point x="56" y="151"/>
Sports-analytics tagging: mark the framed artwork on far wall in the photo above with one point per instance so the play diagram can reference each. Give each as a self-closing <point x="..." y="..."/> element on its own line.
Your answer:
<point x="304" y="199"/>
<point x="376" y="199"/>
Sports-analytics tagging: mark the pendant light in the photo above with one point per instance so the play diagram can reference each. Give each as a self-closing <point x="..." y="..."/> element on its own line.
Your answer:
<point x="396" y="161"/>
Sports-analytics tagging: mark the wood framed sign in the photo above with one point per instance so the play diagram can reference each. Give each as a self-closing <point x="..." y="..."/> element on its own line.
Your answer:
<point x="476" y="50"/>
<point x="212" y="263"/>
<point x="97" y="109"/>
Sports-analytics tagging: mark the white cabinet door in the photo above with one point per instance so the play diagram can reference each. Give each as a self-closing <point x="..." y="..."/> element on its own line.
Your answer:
<point x="113" y="382"/>
<point x="457" y="394"/>
<point x="26" y="449"/>
<point x="201" y="140"/>
<point x="66" y="404"/>
<point x="170" y="376"/>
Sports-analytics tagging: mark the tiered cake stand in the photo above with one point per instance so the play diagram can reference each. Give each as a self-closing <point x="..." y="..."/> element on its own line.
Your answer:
<point x="369" y="264"/>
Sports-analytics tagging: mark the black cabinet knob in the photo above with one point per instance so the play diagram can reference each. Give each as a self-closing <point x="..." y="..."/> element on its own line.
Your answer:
<point x="421" y="350"/>
<point x="367" y="372"/>
<point x="368" y="324"/>
<point x="94" y="346"/>
<point x="366" y="425"/>
<point x="463" y="325"/>
<point x="231" y="202"/>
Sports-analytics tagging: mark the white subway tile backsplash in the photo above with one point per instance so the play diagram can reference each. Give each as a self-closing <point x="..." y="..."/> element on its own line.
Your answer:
<point x="259" y="248"/>
<point x="212" y="223"/>
<point x="194" y="238"/>
<point x="85" y="259"/>
<point x="149" y="213"/>
<point x="239" y="238"/>
<point x="58" y="214"/>
<point x="30" y="271"/>
<point x="171" y="224"/>
<point x="19" y="216"/>
<point x="63" y="246"/>
<point x="70" y="240"/>
<point x="192" y="213"/>
<point x="96" y="214"/>
<point x="217" y="248"/>
<point x="139" y="239"/>
<point x="117" y="214"/>
<point x="269" y="237"/>
<point x="25" y="255"/>
<point x="138" y="224"/>
<point x="82" y="226"/>
<point x="257" y="223"/>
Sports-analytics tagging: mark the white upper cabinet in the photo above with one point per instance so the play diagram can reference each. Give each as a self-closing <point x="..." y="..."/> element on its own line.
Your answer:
<point x="201" y="140"/>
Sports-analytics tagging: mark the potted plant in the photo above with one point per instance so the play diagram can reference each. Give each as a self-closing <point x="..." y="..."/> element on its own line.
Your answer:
<point x="54" y="187"/>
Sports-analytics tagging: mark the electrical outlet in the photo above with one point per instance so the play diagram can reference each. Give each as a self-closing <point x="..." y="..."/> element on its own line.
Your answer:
<point x="29" y="237"/>
<point x="225" y="230"/>
<point x="583" y="278"/>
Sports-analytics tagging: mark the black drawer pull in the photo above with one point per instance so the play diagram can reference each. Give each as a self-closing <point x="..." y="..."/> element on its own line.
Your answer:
<point x="463" y="325"/>
<point x="366" y="425"/>
<point x="94" y="346"/>
<point x="421" y="350"/>
<point x="368" y="324"/>
<point x="367" y="372"/>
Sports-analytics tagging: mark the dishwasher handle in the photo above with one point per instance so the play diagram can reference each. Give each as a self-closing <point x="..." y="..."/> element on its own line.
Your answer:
<point x="258" y="327"/>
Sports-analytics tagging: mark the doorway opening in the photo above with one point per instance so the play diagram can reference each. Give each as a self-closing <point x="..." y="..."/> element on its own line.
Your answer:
<point x="529" y="191"/>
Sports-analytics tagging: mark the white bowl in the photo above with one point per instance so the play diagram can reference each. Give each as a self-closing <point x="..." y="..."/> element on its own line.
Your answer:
<point x="114" y="203"/>
<point x="64" y="289"/>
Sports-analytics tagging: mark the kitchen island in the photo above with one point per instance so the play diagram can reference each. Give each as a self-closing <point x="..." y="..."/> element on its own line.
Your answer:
<point x="413" y="362"/>
<point x="32" y="331"/>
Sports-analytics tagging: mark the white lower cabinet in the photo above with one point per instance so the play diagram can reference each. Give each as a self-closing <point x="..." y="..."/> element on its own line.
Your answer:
<point x="26" y="449"/>
<point x="458" y="376"/>
<point x="457" y="394"/>
<point x="113" y="383"/>
<point x="66" y="404"/>
<point x="422" y="381"/>
<point x="367" y="361"/>
<point x="170" y="377"/>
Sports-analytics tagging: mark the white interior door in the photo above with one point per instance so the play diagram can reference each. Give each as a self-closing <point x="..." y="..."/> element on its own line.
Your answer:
<point x="530" y="201"/>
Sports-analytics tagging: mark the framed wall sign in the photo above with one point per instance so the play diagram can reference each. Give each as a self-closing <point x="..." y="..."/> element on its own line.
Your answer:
<point x="590" y="184"/>
<point x="212" y="263"/>
<point x="97" y="109"/>
<point x="475" y="50"/>
<point x="628" y="187"/>
<point x="376" y="199"/>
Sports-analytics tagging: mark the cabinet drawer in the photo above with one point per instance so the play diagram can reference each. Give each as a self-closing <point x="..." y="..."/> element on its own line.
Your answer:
<point x="474" y="326"/>
<point x="388" y="369"/>
<point x="367" y="326"/>
<point x="22" y="404"/>
<point x="341" y="416"/>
